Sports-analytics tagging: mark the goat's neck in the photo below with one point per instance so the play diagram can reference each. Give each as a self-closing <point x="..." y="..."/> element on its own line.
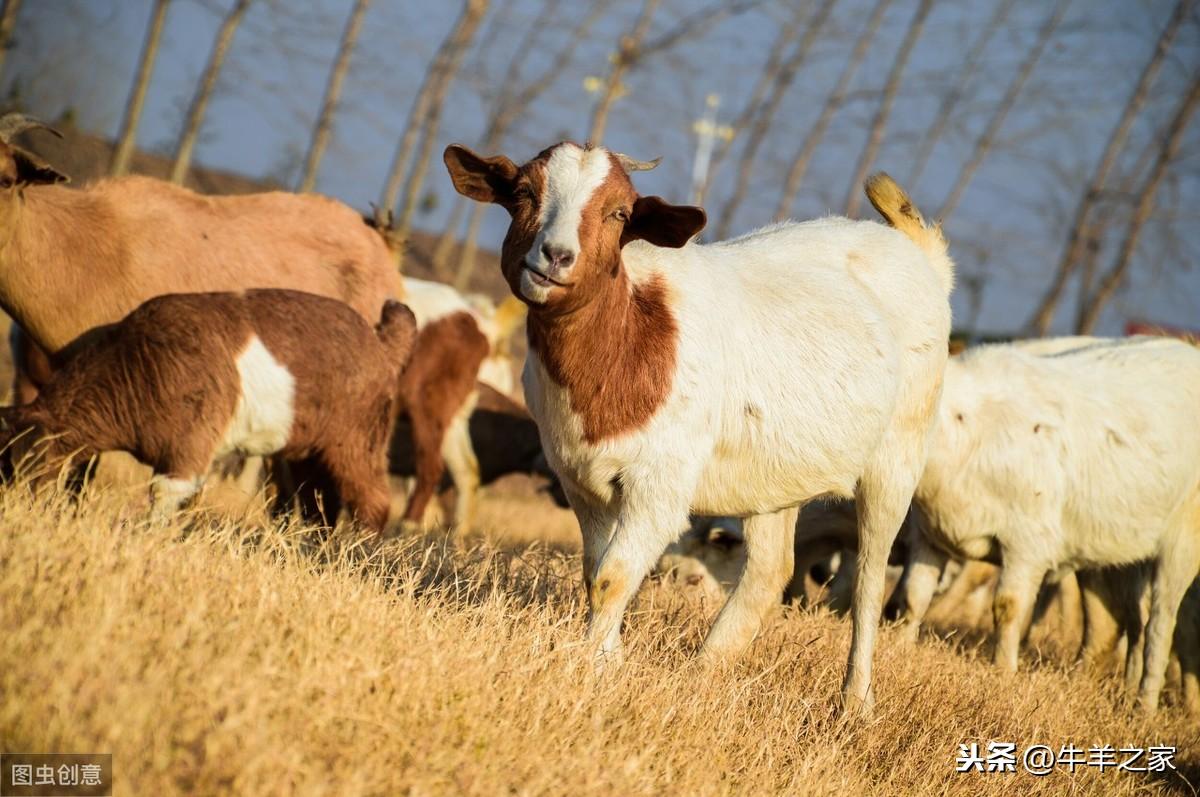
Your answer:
<point x="59" y="264"/>
<point x="615" y="355"/>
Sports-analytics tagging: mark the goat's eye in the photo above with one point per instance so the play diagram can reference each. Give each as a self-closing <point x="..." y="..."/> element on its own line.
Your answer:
<point x="621" y="215"/>
<point x="6" y="182"/>
<point x="523" y="193"/>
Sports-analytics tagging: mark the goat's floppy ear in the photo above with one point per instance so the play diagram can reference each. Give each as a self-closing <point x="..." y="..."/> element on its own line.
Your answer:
<point x="32" y="170"/>
<point x="479" y="178"/>
<point x="658" y="222"/>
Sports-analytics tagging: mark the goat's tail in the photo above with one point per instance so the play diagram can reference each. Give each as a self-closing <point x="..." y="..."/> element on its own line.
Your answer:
<point x="898" y="210"/>
<point x="397" y="331"/>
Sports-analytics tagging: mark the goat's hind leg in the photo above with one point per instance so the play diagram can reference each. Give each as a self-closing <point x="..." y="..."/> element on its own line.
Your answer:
<point x="1177" y="567"/>
<point x="883" y="498"/>
<point x="769" y="557"/>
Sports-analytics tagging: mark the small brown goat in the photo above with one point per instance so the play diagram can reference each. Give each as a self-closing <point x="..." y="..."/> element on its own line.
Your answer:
<point x="185" y="378"/>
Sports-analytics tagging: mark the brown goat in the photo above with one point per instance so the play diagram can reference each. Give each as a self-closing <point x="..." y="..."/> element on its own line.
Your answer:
<point x="72" y="260"/>
<point x="185" y="378"/>
<point x="503" y="436"/>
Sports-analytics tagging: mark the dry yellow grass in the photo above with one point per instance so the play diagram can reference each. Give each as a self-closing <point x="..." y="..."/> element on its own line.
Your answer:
<point x="217" y="655"/>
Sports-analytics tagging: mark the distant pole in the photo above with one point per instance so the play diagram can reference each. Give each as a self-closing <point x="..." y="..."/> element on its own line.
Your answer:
<point x="706" y="132"/>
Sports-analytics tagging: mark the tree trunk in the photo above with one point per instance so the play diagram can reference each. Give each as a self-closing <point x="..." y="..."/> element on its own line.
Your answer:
<point x="208" y="81"/>
<point x="795" y="176"/>
<point x="507" y="87"/>
<point x="418" y="116"/>
<point x="127" y="137"/>
<point x="762" y="123"/>
<point x="627" y="53"/>
<point x="460" y="39"/>
<point x="767" y="78"/>
<point x="8" y="20"/>
<point x="1081" y="236"/>
<point x="1145" y="205"/>
<point x="950" y="101"/>
<point x="508" y="110"/>
<point x="333" y="92"/>
<point x="984" y="144"/>
<point x="879" y="124"/>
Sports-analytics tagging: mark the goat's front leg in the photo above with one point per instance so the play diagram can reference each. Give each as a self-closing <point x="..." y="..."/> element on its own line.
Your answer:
<point x="1177" y="567"/>
<point x="1012" y="606"/>
<point x="915" y="591"/>
<point x="645" y="524"/>
<point x="770" y="552"/>
<point x="596" y="524"/>
<point x="169" y="493"/>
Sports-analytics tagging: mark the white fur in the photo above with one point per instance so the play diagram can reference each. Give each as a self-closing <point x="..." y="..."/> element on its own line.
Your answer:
<point x="1071" y="455"/>
<point x="262" y="421"/>
<point x="431" y="300"/>
<point x="821" y="380"/>
<point x="572" y="175"/>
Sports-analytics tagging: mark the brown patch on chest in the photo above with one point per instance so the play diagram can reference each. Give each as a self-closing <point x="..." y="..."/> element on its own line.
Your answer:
<point x="615" y="357"/>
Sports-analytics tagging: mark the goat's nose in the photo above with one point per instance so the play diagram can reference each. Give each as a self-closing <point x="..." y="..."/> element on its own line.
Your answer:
<point x="557" y="256"/>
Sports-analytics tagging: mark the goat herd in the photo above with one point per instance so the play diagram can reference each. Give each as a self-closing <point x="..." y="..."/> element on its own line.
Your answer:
<point x="667" y="378"/>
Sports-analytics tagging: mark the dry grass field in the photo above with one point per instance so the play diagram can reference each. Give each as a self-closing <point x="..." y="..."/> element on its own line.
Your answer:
<point x="220" y="654"/>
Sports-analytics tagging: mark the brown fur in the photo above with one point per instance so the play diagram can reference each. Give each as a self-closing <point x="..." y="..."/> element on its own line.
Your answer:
<point x="73" y="260"/>
<point x="76" y="259"/>
<point x="163" y="385"/>
<point x="434" y="387"/>
<point x="503" y="434"/>
<point x="609" y="342"/>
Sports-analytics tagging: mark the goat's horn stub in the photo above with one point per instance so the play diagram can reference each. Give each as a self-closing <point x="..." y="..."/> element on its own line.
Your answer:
<point x="631" y="165"/>
<point x="12" y="124"/>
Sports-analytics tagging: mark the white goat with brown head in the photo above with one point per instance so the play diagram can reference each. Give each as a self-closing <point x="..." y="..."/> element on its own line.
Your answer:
<point x="824" y="379"/>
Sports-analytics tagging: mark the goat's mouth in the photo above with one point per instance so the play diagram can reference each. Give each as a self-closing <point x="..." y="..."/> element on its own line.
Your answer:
<point x="541" y="278"/>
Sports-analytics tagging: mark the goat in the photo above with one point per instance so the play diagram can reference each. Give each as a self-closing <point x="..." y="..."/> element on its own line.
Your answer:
<point x="73" y="260"/>
<point x="1116" y="603"/>
<point x="186" y="378"/>
<point x="503" y="436"/>
<point x="1084" y="457"/>
<point x="829" y="362"/>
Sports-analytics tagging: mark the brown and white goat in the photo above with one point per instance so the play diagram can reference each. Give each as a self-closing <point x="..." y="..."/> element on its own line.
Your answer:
<point x="186" y="378"/>
<point x="824" y="379"/>
<point x="72" y="260"/>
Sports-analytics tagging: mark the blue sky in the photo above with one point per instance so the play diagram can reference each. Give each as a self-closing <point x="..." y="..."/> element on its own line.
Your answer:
<point x="1009" y="229"/>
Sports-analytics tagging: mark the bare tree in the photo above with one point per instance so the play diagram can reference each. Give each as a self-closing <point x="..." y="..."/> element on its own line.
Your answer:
<point x="1145" y="205"/>
<point x="983" y="144"/>
<point x="208" y="81"/>
<point x="879" y="124"/>
<point x="627" y="53"/>
<point x="333" y="92"/>
<point x="795" y="176"/>
<point x="633" y="49"/>
<point x="950" y="101"/>
<point x="1081" y="238"/>
<point x="441" y="68"/>
<point x="464" y="31"/>
<point x="8" y="20"/>
<point x="766" y="78"/>
<point x="512" y="100"/>
<point x="783" y="79"/>
<point x="137" y="98"/>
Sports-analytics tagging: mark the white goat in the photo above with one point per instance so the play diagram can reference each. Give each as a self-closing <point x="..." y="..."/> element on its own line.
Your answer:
<point x="1084" y="458"/>
<point x="829" y="357"/>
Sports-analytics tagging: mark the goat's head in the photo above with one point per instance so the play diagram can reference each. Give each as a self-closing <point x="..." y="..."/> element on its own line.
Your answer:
<point x="573" y="208"/>
<point x="19" y="166"/>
